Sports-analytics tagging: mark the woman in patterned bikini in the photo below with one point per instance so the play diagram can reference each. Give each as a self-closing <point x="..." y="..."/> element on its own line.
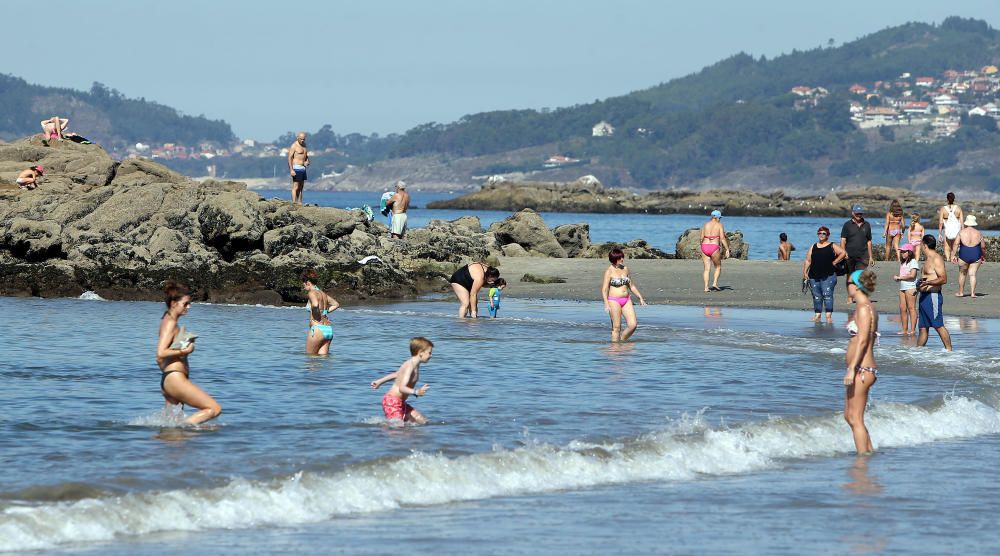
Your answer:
<point x="616" y="291"/>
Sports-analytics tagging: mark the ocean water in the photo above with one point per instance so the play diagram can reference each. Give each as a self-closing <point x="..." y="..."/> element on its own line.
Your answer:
<point x="716" y="431"/>
<point x="660" y="231"/>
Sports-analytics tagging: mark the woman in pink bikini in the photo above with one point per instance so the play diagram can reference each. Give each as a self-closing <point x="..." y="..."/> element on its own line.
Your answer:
<point x="713" y="240"/>
<point x="893" y="230"/>
<point x="915" y="235"/>
<point x="616" y="292"/>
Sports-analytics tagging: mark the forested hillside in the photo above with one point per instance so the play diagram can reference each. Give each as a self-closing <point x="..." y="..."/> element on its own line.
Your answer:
<point x="101" y="114"/>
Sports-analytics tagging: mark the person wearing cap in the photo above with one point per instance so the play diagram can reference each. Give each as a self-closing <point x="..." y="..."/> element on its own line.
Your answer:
<point x="399" y="203"/>
<point x="713" y="240"/>
<point x="856" y="240"/>
<point x="28" y="179"/>
<point x="971" y="253"/>
<point x="930" y="302"/>
<point x="907" y="278"/>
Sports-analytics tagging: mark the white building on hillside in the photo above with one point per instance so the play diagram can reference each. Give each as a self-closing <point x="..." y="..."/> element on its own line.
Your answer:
<point x="603" y="129"/>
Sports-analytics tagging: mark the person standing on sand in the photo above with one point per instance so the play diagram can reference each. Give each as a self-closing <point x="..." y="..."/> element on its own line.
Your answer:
<point x="298" y="161"/>
<point x="893" y="230"/>
<point x="971" y="253"/>
<point x="949" y="224"/>
<point x="856" y="241"/>
<point x="616" y="291"/>
<point x="820" y="269"/>
<point x="915" y="235"/>
<point x="399" y="203"/>
<point x="713" y="238"/>
<point x="860" y="358"/>
<point x="929" y="306"/>
<point x="175" y="377"/>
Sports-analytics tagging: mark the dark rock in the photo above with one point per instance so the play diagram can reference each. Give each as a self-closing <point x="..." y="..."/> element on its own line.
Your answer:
<point x="574" y="238"/>
<point x="635" y="249"/>
<point x="542" y="279"/>
<point x="528" y="230"/>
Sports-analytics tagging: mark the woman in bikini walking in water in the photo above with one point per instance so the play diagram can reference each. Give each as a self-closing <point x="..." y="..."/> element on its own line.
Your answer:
<point x="713" y="240"/>
<point x="320" y="305"/>
<point x="616" y="292"/>
<point x="175" y="380"/>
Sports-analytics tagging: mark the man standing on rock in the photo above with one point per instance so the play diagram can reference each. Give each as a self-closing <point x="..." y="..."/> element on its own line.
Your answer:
<point x="399" y="203"/>
<point x="856" y="240"/>
<point x="298" y="160"/>
<point x="933" y="276"/>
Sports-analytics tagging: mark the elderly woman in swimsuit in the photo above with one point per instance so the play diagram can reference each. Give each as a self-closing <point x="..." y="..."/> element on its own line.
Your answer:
<point x="893" y="229"/>
<point x="713" y="239"/>
<point x="175" y="380"/>
<point x="466" y="283"/>
<point x="971" y="253"/>
<point x="616" y="292"/>
<point x="320" y="305"/>
<point x="861" y="369"/>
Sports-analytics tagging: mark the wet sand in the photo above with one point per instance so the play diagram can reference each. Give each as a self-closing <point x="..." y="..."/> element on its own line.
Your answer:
<point x="761" y="284"/>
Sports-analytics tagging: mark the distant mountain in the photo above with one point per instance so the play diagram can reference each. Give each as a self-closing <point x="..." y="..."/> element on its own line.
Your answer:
<point x="103" y="115"/>
<point x="739" y="113"/>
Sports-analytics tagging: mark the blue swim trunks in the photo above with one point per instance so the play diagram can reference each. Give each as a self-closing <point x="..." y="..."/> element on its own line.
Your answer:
<point x="300" y="172"/>
<point x="931" y="315"/>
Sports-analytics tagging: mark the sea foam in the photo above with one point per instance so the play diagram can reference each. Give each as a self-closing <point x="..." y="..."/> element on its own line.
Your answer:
<point x="682" y="451"/>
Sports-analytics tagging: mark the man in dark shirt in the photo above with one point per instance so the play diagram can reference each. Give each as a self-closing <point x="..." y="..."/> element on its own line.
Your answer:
<point x="856" y="240"/>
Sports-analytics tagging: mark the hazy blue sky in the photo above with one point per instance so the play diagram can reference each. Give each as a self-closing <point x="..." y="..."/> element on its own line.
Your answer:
<point x="387" y="65"/>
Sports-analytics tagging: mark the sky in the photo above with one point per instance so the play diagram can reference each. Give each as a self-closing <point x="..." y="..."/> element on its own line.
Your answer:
<point x="387" y="65"/>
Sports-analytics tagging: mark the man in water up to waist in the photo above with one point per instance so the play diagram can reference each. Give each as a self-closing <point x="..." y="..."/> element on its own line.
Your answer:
<point x="298" y="160"/>
<point x="399" y="203"/>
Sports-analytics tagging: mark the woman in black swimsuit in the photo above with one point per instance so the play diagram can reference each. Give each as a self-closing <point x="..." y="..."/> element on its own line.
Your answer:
<point x="175" y="383"/>
<point x="467" y="281"/>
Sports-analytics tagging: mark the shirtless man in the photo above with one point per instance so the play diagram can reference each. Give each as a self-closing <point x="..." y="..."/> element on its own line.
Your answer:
<point x="28" y="179"/>
<point x="932" y="278"/>
<point x="399" y="203"/>
<point x="298" y="160"/>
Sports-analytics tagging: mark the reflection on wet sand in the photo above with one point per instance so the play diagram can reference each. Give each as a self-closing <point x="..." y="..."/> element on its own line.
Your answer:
<point x="713" y="312"/>
<point x="867" y="531"/>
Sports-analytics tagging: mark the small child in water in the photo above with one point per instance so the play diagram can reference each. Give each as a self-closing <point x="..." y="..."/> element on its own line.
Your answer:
<point x="785" y="248"/>
<point x="495" y="291"/>
<point x="394" y="402"/>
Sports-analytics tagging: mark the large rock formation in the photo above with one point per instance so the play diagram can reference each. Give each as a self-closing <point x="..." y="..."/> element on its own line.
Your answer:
<point x="121" y="229"/>
<point x="585" y="196"/>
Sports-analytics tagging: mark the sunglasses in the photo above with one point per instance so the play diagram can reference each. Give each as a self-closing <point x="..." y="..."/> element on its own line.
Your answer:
<point x="822" y="233"/>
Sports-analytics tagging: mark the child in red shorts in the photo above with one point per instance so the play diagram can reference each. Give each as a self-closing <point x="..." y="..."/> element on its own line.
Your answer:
<point x="394" y="402"/>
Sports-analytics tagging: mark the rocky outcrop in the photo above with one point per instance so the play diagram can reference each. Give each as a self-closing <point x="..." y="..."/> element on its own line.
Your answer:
<point x="122" y="229"/>
<point x="582" y="196"/>
<point x="574" y="238"/>
<point x="528" y="230"/>
<point x="689" y="245"/>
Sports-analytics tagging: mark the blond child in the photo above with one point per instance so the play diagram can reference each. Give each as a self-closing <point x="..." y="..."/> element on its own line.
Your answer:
<point x="394" y="402"/>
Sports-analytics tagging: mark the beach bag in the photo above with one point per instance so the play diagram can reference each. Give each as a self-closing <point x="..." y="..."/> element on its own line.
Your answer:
<point x="840" y="268"/>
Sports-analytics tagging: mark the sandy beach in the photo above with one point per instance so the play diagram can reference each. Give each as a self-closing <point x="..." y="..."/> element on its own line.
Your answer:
<point x="762" y="284"/>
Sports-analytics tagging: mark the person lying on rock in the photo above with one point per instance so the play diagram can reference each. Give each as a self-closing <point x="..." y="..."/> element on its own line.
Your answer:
<point x="54" y="128"/>
<point x="30" y="178"/>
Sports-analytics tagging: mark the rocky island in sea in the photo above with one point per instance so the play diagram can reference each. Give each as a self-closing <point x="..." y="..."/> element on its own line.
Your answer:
<point x="121" y="228"/>
<point x="588" y="195"/>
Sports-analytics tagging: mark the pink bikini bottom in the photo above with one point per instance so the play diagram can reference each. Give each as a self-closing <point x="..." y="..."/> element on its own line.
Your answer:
<point x="620" y="300"/>
<point x="709" y="248"/>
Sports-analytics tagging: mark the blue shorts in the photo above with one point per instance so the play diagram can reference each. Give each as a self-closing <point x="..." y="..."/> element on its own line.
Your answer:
<point x="300" y="174"/>
<point x="931" y="315"/>
<point x="494" y="308"/>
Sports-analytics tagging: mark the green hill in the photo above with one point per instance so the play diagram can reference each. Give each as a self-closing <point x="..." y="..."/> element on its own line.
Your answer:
<point x="101" y="114"/>
<point x="738" y="113"/>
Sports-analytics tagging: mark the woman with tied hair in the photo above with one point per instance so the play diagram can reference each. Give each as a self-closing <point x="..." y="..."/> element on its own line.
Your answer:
<point x="861" y="368"/>
<point x="466" y="283"/>
<point x="949" y="225"/>
<point x="320" y="305"/>
<point x="175" y="378"/>
<point x="893" y="230"/>
<point x="616" y="290"/>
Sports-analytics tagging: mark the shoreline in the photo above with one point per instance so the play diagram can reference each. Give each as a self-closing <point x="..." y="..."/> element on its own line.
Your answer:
<point x="746" y="284"/>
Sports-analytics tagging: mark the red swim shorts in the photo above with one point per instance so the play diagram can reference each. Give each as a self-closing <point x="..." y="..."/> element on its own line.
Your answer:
<point x="395" y="408"/>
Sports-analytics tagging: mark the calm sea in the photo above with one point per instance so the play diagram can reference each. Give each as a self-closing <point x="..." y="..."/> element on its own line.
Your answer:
<point x="717" y="431"/>
<point x="660" y="231"/>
